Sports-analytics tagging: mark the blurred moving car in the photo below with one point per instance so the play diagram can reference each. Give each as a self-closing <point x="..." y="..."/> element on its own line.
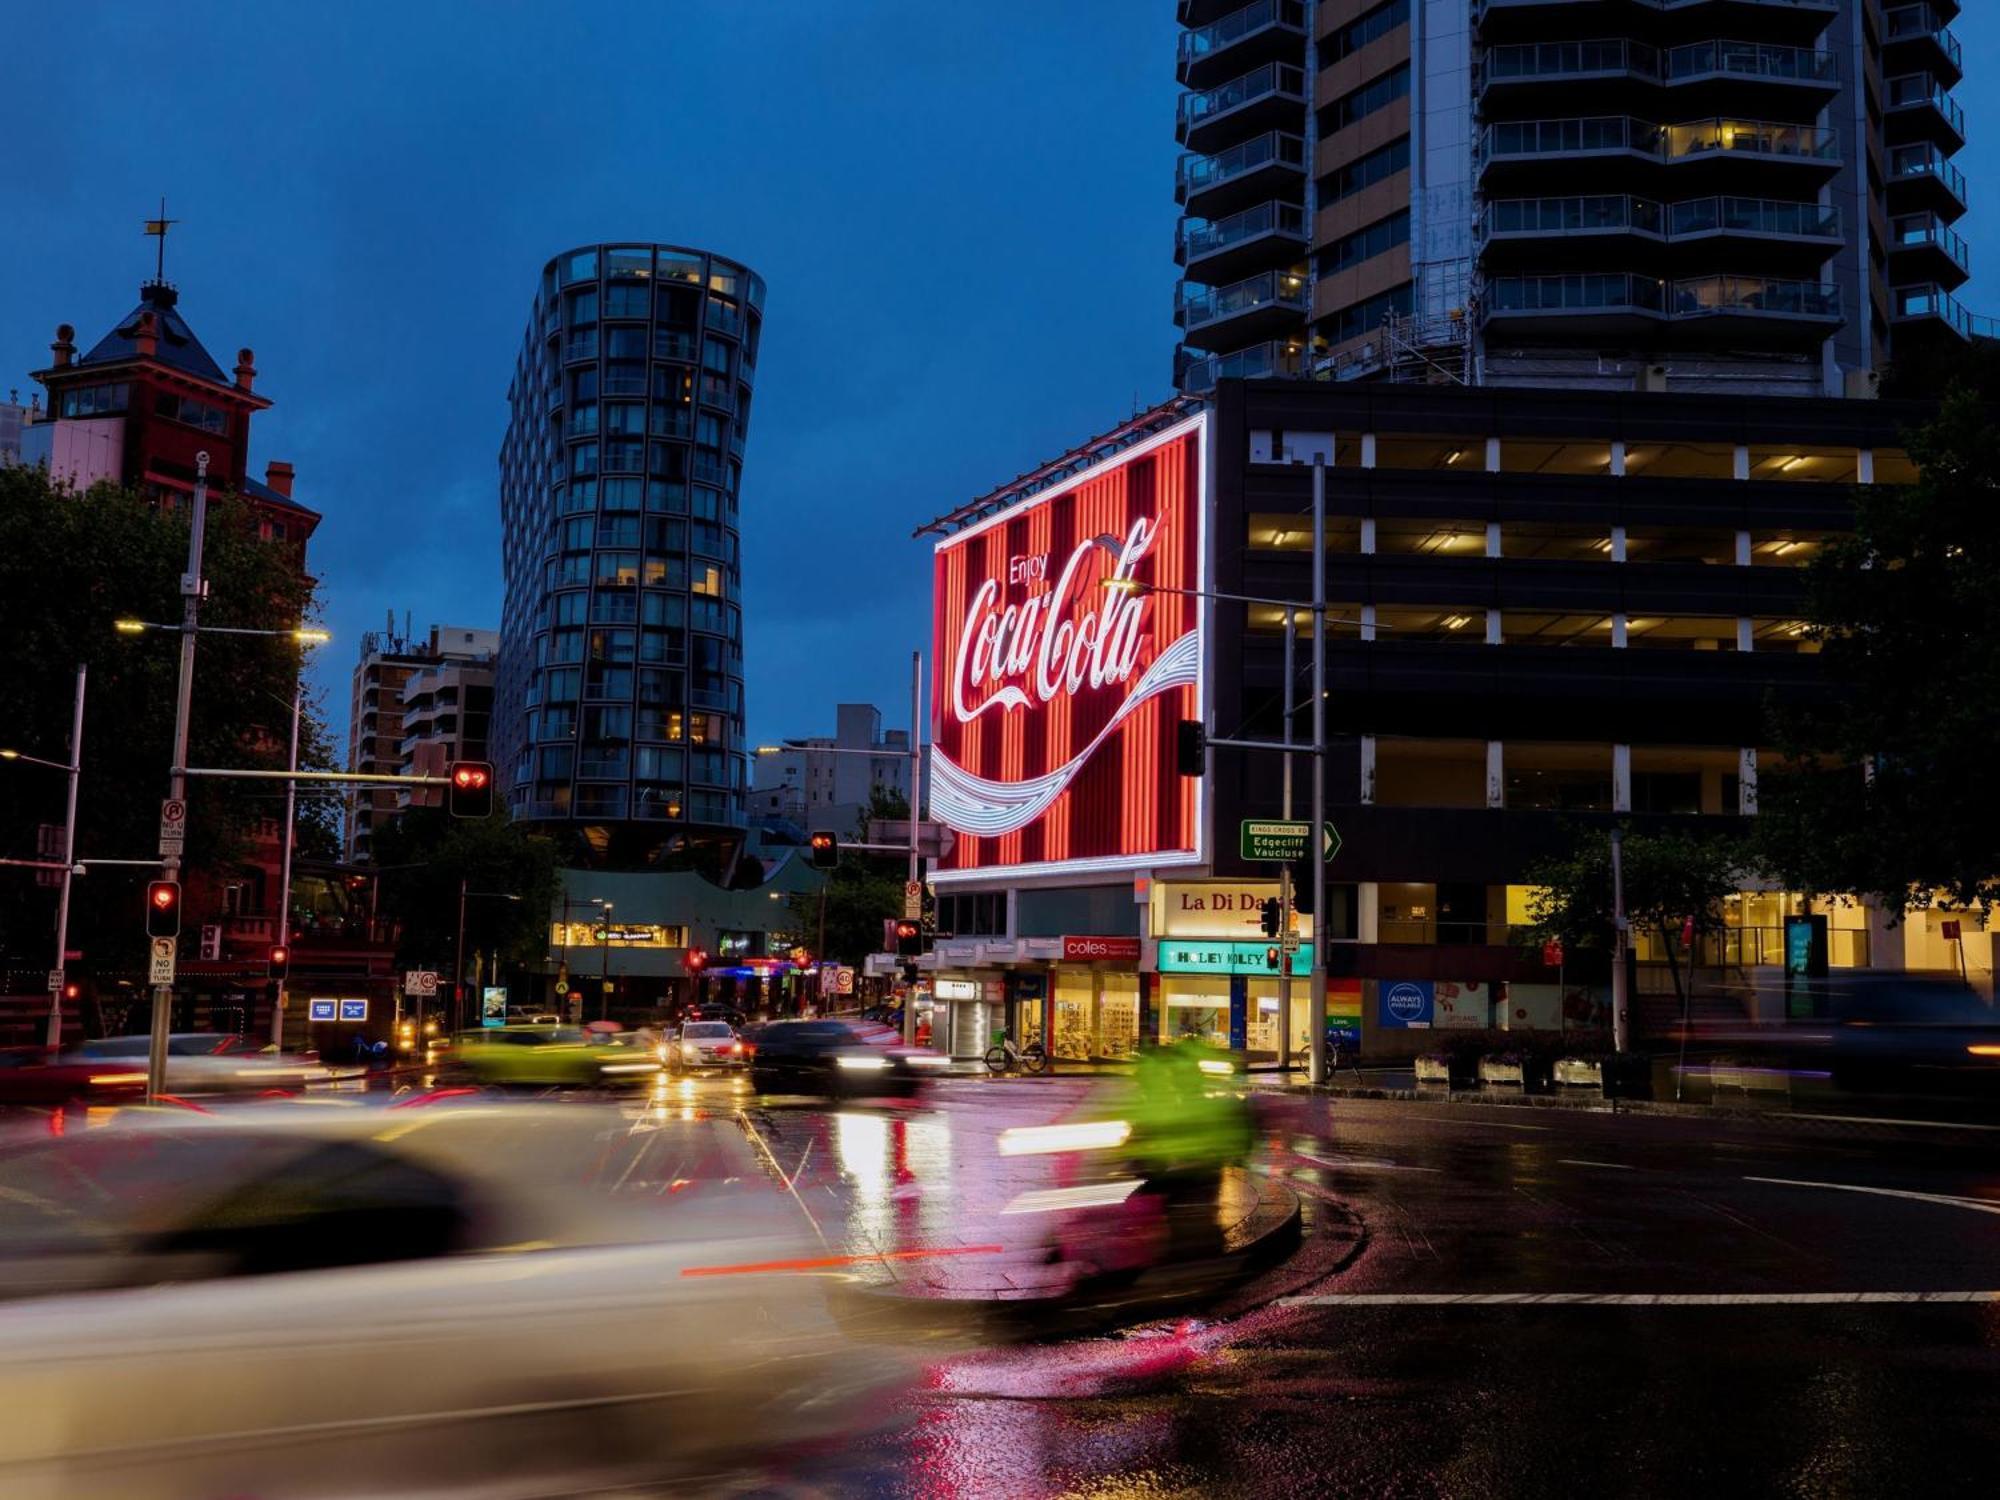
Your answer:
<point x="305" y="1301"/>
<point x="707" y="1044"/>
<point x="549" y="1056"/>
<point x="833" y="1058"/>
<point x="1913" y="1033"/>
<point x="198" y="1062"/>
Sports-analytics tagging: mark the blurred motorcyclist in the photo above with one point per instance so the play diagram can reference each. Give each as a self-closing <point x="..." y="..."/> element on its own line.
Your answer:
<point x="1189" y="1121"/>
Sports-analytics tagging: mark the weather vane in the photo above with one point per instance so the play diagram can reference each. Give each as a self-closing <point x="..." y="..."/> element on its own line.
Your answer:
<point x="158" y="227"/>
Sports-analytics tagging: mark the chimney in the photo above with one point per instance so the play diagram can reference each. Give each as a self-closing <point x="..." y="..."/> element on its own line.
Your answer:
<point x="64" y="348"/>
<point x="277" y="473"/>
<point x="146" y="337"/>
<point x="246" y="374"/>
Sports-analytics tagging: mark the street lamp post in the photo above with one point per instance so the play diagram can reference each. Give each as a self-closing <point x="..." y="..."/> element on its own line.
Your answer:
<point x="603" y="966"/>
<point x="458" y="947"/>
<point x="285" y="877"/>
<point x="74" y="771"/>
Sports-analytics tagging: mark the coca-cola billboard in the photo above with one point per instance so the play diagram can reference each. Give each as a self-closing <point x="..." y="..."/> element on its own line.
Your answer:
<point x="1067" y="645"/>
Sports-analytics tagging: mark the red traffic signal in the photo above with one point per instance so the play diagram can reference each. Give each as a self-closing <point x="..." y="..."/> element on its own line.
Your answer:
<point x="694" y="958"/>
<point x="71" y="990"/>
<point x="471" y="793"/>
<point x="280" y="957"/>
<point x="909" y="937"/>
<point x="163" y="909"/>
<point x="825" y="850"/>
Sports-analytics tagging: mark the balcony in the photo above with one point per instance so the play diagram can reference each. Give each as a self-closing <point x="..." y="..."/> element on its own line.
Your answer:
<point x="1923" y="177"/>
<point x="1259" y="238"/>
<point x="1257" y="309"/>
<point x="1280" y="358"/>
<point x="1272" y="165"/>
<point x="1765" y="20"/>
<point x="1268" y="98"/>
<point x="1915" y="38"/>
<point x="1923" y="248"/>
<point x="1920" y="108"/>
<point x="1933" y="306"/>
<point x="1704" y="77"/>
<point x="1571" y="232"/>
<point x="1266" y="31"/>
<point x="1750" y="311"/>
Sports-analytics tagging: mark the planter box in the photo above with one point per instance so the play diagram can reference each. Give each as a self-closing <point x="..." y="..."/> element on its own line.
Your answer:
<point x="1577" y="1072"/>
<point x="1492" y="1070"/>
<point x="1433" y="1070"/>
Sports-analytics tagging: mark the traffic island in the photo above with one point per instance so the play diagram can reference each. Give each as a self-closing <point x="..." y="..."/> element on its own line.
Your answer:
<point x="1051" y="1287"/>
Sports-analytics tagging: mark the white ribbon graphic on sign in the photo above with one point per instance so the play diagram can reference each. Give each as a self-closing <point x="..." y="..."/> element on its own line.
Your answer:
<point x="975" y="805"/>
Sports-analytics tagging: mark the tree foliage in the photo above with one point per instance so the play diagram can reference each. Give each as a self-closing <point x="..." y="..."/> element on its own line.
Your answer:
<point x="1884" y="791"/>
<point x="70" y="565"/>
<point x="1668" y="877"/>
<point x="423" y="856"/>
<point x="865" y="891"/>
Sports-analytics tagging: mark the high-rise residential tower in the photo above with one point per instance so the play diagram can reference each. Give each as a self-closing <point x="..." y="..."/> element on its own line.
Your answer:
<point x="618" y="703"/>
<point x="1726" y="195"/>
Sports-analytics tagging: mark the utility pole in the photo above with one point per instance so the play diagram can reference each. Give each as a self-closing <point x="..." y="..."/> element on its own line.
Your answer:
<point x="1620" y="1001"/>
<point x="458" y="954"/>
<point x="916" y="787"/>
<point x="284" y="939"/>
<point x="69" y="866"/>
<point x="1316" y="993"/>
<point x="1285" y="870"/>
<point x="192" y="589"/>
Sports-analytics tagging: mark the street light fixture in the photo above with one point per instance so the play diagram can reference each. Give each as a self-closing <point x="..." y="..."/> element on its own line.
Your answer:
<point x="32" y="760"/>
<point x="305" y="635"/>
<point x="73" y="772"/>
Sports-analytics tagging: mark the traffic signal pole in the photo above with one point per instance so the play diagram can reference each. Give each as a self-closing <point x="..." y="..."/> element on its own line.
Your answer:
<point x="916" y="814"/>
<point x="1316" y="995"/>
<point x="1285" y="870"/>
<point x="284" y="940"/>
<point x="68" y="869"/>
<point x="170" y="864"/>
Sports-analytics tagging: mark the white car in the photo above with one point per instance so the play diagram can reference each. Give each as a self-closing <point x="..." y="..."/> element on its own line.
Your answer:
<point x="707" y="1044"/>
<point x="304" y="1300"/>
<point x="207" y="1062"/>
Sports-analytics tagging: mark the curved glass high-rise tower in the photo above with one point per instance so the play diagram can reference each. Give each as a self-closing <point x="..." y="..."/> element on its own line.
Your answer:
<point x="619" y="699"/>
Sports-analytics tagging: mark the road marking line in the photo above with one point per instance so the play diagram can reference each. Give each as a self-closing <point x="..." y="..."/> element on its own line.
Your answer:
<point x="1361" y="1163"/>
<point x="1628" y="1299"/>
<point x="1578" y="1161"/>
<point x="1977" y="1205"/>
<point x="1888" y="1120"/>
<point x="1496" y="1124"/>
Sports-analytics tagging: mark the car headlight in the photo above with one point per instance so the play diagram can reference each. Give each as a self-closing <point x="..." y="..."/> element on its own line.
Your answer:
<point x="924" y="1060"/>
<point x="861" y="1062"/>
<point x="690" y="1051"/>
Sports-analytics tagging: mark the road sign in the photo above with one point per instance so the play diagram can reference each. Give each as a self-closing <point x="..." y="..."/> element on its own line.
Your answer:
<point x="322" y="1010"/>
<point x="934" y="840"/>
<point x="162" y="971"/>
<point x="913" y="900"/>
<point x="1329" y="842"/>
<point x="1949" y="930"/>
<point x="173" y="825"/>
<point x="354" y="1010"/>
<point x="843" y="980"/>
<point x="1269" y="839"/>
<point x="420" y="982"/>
<point x="562" y="986"/>
<point x="1289" y="942"/>
<point x="55" y="981"/>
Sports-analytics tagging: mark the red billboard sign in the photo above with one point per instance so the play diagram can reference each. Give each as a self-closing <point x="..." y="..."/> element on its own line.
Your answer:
<point x="1066" y="648"/>
<point x="1083" y="950"/>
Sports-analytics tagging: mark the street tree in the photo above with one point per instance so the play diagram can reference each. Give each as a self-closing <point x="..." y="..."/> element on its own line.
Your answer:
<point x="423" y="857"/>
<point x="857" y="897"/>
<point x="1881" y="791"/>
<point x="70" y="565"/>
<point x="1670" y="878"/>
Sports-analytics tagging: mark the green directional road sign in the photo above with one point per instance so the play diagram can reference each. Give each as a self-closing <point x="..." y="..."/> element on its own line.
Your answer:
<point x="1269" y="839"/>
<point x="1284" y="840"/>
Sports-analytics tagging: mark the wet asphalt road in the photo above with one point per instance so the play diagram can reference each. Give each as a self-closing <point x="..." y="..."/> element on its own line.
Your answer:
<point x="1287" y="1387"/>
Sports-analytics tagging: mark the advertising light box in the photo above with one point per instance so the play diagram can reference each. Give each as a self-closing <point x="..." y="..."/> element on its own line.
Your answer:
<point x="1066" y="648"/>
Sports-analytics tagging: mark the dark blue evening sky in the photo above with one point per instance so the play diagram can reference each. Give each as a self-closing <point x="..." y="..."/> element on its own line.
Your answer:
<point x="964" y="213"/>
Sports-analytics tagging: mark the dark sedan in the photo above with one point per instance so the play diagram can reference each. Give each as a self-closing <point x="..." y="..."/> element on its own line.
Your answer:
<point x="835" y="1058"/>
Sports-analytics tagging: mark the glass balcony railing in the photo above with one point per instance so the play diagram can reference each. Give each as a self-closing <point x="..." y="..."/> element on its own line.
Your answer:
<point x="1828" y="6"/>
<point x="1200" y="237"/>
<point x="1925" y="160"/>
<point x="1201" y="305"/>
<point x="1696" y="60"/>
<point x="1208" y="40"/>
<point x="1571" y="215"/>
<point x="1907" y="21"/>
<point x="1568" y="137"/>
<point x="1915" y="90"/>
<point x="1756" y="137"/>
<point x="1702" y="296"/>
<point x="1930" y="300"/>
<point x="1928" y="229"/>
<point x="1258" y="83"/>
<point x="1274" y="359"/>
<point x="1197" y="173"/>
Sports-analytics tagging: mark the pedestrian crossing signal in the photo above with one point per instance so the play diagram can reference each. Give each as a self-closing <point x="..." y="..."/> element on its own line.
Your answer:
<point x="471" y="793"/>
<point x="825" y="850"/>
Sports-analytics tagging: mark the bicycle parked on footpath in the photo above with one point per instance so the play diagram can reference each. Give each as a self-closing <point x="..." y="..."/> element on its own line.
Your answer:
<point x="1003" y="1056"/>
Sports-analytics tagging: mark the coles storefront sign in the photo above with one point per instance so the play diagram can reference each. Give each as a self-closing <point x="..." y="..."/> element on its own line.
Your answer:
<point x="1089" y="949"/>
<point x="1062" y="662"/>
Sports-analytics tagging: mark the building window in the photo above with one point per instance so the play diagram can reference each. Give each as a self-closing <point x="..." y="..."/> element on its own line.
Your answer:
<point x="1366" y="171"/>
<point x="194" y="413"/>
<point x="1369" y="26"/>
<point x="1366" y="243"/>
<point x="95" y="400"/>
<point x="1363" y="317"/>
<point x="1358" y="104"/>
<point x="628" y="300"/>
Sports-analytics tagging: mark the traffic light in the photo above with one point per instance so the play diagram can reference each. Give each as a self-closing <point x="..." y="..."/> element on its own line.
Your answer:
<point x="471" y="794"/>
<point x="281" y="957"/>
<point x="1272" y="916"/>
<point x="1190" y="747"/>
<point x="693" y="959"/>
<point x="825" y="850"/>
<point x="163" y="909"/>
<point x="909" y="937"/>
<point x="1271" y="959"/>
<point x="72" y="990"/>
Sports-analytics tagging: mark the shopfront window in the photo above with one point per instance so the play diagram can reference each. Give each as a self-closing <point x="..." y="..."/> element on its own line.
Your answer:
<point x="1074" y="996"/>
<point x="1196" y="1009"/>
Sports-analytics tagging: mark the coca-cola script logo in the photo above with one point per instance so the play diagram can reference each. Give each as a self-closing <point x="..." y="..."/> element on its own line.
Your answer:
<point x="1058" y="623"/>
